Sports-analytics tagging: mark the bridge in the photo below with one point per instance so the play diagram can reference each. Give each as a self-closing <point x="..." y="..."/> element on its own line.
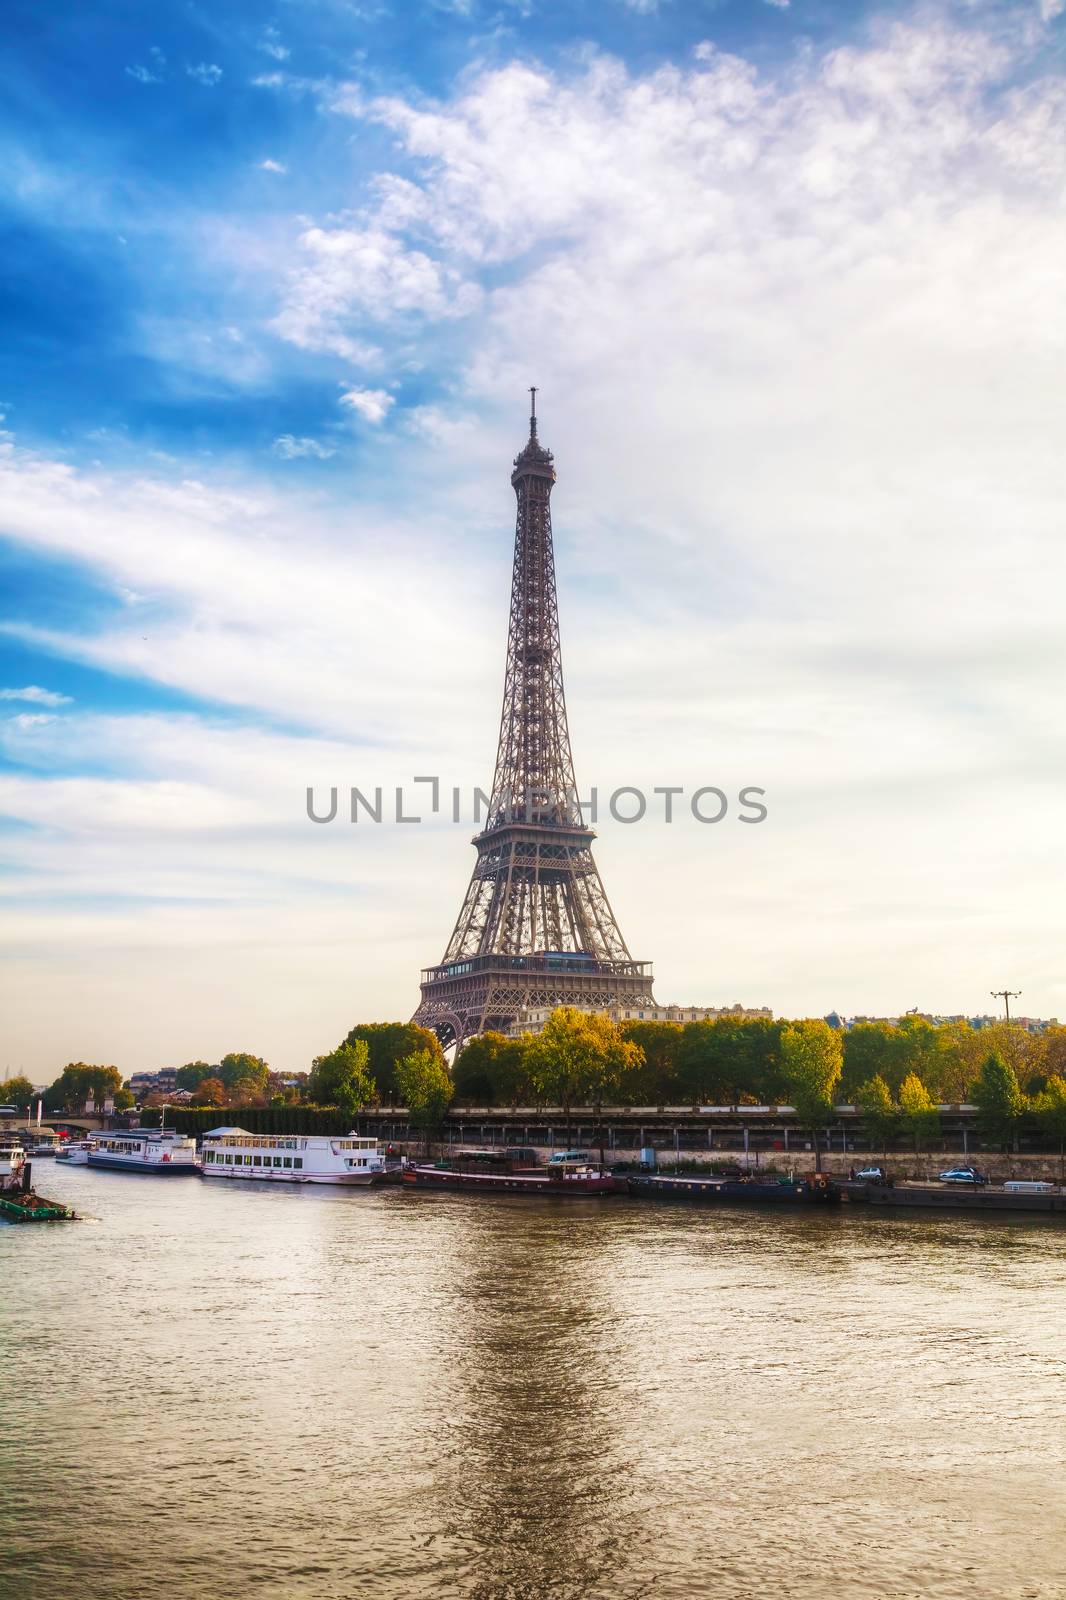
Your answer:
<point x="81" y="1122"/>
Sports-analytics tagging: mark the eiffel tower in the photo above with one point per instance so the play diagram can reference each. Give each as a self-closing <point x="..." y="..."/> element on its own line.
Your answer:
<point x="536" y="928"/>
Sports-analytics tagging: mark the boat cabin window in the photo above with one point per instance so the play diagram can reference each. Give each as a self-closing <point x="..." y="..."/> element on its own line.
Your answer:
<point x="297" y="1161"/>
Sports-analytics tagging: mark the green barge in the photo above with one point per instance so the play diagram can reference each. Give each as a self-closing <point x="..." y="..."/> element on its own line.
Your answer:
<point x="34" y="1208"/>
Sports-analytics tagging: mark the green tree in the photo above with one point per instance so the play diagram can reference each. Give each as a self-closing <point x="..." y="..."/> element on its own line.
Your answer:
<point x="999" y="1099"/>
<point x="812" y="1061"/>
<point x="580" y="1056"/>
<point x="919" y="1114"/>
<point x="490" y="1070"/>
<point x="922" y="1047"/>
<point x="389" y="1043"/>
<point x="425" y="1088"/>
<point x="343" y="1078"/>
<point x="871" y="1050"/>
<point x="123" y="1098"/>
<point x="239" y="1065"/>
<point x="656" y="1082"/>
<point x="77" y="1082"/>
<point x="193" y="1073"/>
<point x="730" y="1060"/>
<point x="1050" y="1109"/>
<point x="879" y="1111"/>
<point x="959" y="1062"/>
<point x="17" y="1091"/>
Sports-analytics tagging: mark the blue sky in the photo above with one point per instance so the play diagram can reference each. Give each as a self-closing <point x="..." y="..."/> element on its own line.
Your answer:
<point x="276" y="279"/>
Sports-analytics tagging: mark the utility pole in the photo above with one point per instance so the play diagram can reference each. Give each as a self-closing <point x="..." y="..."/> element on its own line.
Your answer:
<point x="1006" y="995"/>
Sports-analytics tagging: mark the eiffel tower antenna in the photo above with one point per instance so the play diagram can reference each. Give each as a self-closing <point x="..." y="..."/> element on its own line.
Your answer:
<point x="535" y="928"/>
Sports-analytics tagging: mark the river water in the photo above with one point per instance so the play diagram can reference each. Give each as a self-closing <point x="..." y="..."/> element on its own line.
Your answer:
<point x="229" y="1391"/>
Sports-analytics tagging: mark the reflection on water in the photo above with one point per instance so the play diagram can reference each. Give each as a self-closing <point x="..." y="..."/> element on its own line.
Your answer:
<point x="296" y="1394"/>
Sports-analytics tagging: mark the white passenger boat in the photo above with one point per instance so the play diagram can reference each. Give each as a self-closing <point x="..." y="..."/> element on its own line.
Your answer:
<point x="165" y="1154"/>
<point x="12" y="1160"/>
<point x="291" y="1157"/>
<point x="44" y="1144"/>
<point x="76" y="1152"/>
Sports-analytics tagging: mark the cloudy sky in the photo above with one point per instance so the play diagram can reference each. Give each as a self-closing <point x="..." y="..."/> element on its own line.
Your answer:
<point x="790" y="279"/>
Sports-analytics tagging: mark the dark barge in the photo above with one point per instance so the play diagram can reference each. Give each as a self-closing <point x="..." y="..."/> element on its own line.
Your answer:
<point x="514" y="1173"/>
<point x="946" y="1197"/>
<point x="816" y="1190"/>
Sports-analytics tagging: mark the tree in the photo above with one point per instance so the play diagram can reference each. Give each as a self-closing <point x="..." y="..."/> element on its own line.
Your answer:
<point x="16" y="1091"/>
<point x="1000" y="1101"/>
<point x="580" y="1055"/>
<point x="193" y="1073"/>
<point x="123" y="1098"/>
<point x="77" y="1082"/>
<point x="730" y="1060"/>
<point x="239" y="1065"/>
<point x="1054" y="1062"/>
<point x="389" y="1043"/>
<point x="248" y="1092"/>
<point x="656" y="1082"/>
<point x="960" y="1060"/>
<point x="491" y="1070"/>
<point x="812" y="1061"/>
<point x="918" y="1111"/>
<point x="424" y="1086"/>
<point x="343" y="1078"/>
<point x="1050" y="1109"/>
<point x="209" y="1092"/>
<point x="879" y="1112"/>
<point x="871" y="1050"/>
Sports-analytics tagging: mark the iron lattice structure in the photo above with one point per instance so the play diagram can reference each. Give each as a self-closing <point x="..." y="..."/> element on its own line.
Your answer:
<point x="536" y="927"/>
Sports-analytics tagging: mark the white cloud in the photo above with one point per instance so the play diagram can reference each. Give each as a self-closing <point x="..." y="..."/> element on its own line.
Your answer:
<point x="779" y="5"/>
<point x="41" y="697"/>
<point x="31" y="719"/>
<point x="290" y="448"/>
<point x="269" y="165"/>
<point x="272" y="45"/>
<point x="355" y="277"/>
<point x="373" y="405"/>
<point x="205" y="72"/>
<point x="1050" y="9"/>
<point x="142" y="75"/>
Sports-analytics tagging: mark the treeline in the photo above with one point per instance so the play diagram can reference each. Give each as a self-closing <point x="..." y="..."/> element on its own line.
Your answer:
<point x="742" y="1061"/>
<point x="896" y="1073"/>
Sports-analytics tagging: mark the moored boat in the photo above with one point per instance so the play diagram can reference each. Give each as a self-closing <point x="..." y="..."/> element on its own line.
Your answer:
<point x="563" y="1180"/>
<point x="147" y="1150"/>
<point x="26" y="1206"/>
<point x="814" y="1190"/>
<point x="12" y="1161"/>
<point x="75" y="1153"/>
<point x="44" y="1144"/>
<point x="351" y="1160"/>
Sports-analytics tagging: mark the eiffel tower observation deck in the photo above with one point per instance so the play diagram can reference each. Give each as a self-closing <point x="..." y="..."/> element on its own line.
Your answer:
<point x="535" y="928"/>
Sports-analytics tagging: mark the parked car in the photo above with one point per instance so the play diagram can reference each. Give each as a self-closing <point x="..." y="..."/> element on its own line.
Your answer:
<point x="963" y="1175"/>
<point x="870" y="1175"/>
<point x="567" y="1155"/>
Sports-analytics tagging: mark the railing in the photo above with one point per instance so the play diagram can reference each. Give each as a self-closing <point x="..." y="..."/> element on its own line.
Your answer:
<point x="557" y="963"/>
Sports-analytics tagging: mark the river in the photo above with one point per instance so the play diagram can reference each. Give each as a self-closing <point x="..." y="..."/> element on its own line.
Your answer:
<point x="285" y="1393"/>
